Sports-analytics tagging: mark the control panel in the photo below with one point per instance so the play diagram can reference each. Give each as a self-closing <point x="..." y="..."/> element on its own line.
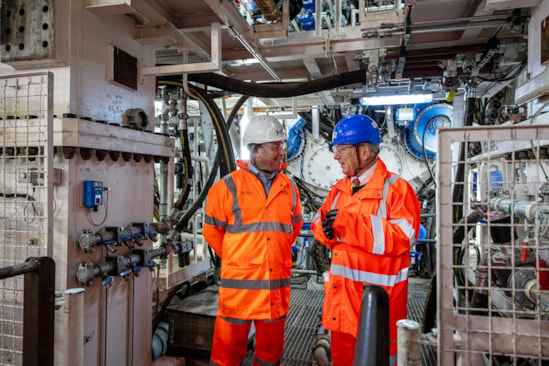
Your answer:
<point x="93" y="193"/>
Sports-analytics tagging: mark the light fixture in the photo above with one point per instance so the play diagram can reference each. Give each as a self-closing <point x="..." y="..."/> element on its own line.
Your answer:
<point x="396" y="99"/>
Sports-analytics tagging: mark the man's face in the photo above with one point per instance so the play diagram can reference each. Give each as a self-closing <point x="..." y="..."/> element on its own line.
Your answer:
<point x="346" y="157"/>
<point x="269" y="156"/>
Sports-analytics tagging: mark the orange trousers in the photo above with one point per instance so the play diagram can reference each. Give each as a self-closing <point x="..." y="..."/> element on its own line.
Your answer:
<point x="230" y="341"/>
<point x="342" y="349"/>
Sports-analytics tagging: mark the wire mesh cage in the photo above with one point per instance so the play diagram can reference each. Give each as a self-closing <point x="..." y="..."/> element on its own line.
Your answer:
<point x="493" y="280"/>
<point x="26" y="204"/>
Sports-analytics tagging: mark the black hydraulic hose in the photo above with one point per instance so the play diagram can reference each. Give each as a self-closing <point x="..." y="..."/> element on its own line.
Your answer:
<point x="457" y="193"/>
<point x="279" y="90"/>
<point x="213" y="173"/>
<point x="187" y="169"/>
<point x="425" y="158"/>
<point x="227" y="155"/>
<point x="228" y="163"/>
<point x="224" y="155"/>
<point x="230" y="119"/>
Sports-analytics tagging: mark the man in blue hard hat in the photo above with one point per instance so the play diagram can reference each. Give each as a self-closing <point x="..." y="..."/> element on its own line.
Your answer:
<point x="370" y="220"/>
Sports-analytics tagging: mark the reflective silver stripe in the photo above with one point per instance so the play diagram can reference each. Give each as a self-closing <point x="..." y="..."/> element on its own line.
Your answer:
<point x="297" y="218"/>
<point x="260" y="227"/>
<point x="369" y="277"/>
<point x="407" y="228"/>
<point x="376" y="220"/>
<point x="239" y="227"/>
<point x="274" y="320"/>
<point x="229" y="181"/>
<point x="393" y="359"/>
<point x="236" y="321"/>
<point x="378" y="233"/>
<point x="334" y="203"/>
<point x="214" y="221"/>
<point x="254" y="284"/>
<point x="393" y="178"/>
<point x="265" y="363"/>
<point x="294" y="194"/>
<point x="383" y="203"/>
<point x="316" y="218"/>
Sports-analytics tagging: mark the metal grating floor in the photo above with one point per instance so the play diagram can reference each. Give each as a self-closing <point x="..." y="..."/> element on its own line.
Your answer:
<point x="301" y="325"/>
<point x="417" y="292"/>
<point x="304" y="319"/>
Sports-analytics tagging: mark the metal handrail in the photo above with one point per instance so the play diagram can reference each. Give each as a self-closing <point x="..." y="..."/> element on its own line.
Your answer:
<point x="38" y="308"/>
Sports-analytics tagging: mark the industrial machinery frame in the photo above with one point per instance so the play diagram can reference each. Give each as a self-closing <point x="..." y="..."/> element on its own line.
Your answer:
<point x="492" y="245"/>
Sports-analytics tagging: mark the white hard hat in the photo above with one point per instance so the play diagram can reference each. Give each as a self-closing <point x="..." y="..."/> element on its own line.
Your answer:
<point x="262" y="129"/>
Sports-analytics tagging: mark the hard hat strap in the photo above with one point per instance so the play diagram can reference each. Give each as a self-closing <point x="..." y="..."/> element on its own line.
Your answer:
<point x="357" y="158"/>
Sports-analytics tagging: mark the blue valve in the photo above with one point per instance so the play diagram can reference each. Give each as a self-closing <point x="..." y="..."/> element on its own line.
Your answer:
<point x="151" y="233"/>
<point x="107" y="242"/>
<point x="125" y="273"/>
<point x="137" y="268"/>
<point x="126" y="238"/>
<point x="138" y="235"/>
<point x="107" y="280"/>
<point x="151" y="264"/>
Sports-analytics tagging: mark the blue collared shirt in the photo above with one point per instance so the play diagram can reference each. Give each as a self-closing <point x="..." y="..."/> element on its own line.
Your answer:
<point x="267" y="182"/>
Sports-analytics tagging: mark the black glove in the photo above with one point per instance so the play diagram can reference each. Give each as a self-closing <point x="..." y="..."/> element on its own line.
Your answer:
<point x="327" y="224"/>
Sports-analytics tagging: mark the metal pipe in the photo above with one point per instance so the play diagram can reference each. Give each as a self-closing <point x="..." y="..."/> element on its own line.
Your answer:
<point x="318" y="18"/>
<point x="338" y="16"/>
<point x="524" y="209"/>
<point x="321" y="349"/>
<point x="163" y="186"/>
<point x="74" y="327"/>
<point x="38" y="314"/>
<point x="373" y="341"/>
<point x="18" y="269"/>
<point x="409" y="343"/>
<point x="316" y="123"/>
<point x="254" y="53"/>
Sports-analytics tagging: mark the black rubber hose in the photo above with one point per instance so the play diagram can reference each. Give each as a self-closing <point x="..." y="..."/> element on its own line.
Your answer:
<point x="224" y="154"/>
<point x="228" y="163"/>
<point x="213" y="173"/>
<point x="279" y="90"/>
<point x="187" y="169"/>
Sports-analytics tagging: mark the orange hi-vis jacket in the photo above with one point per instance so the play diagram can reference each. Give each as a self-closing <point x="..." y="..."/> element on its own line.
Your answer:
<point x="253" y="235"/>
<point x="375" y="228"/>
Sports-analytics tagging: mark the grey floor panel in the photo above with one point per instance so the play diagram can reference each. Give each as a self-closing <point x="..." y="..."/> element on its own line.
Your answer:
<point x="304" y="318"/>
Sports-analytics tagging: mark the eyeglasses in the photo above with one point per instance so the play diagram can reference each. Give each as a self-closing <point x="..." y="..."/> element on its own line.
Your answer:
<point x="339" y="148"/>
<point x="274" y="146"/>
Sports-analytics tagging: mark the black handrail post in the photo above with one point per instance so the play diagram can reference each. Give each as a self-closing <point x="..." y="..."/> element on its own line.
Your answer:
<point x="38" y="314"/>
<point x="372" y="343"/>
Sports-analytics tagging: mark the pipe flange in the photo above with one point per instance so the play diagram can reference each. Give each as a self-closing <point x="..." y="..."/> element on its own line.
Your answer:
<point x="522" y="280"/>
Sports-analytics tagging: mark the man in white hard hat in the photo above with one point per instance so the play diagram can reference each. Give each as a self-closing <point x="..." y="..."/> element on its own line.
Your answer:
<point x="253" y="216"/>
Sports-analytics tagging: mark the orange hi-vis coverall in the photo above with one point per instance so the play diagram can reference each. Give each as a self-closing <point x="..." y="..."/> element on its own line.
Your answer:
<point x="253" y="234"/>
<point x="374" y="231"/>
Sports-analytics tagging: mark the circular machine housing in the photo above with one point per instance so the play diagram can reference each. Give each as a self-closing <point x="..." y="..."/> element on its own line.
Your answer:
<point x="422" y="134"/>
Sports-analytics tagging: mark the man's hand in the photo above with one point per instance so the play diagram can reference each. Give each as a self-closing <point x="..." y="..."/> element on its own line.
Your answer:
<point x="327" y="224"/>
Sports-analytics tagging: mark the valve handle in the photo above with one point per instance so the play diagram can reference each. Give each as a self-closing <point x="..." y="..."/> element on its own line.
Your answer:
<point x="524" y="252"/>
<point x="107" y="280"/>
<point x="125" y="273"/>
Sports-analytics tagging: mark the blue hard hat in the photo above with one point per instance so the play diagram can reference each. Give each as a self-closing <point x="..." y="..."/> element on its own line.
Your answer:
<point x="355" y="129"/>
